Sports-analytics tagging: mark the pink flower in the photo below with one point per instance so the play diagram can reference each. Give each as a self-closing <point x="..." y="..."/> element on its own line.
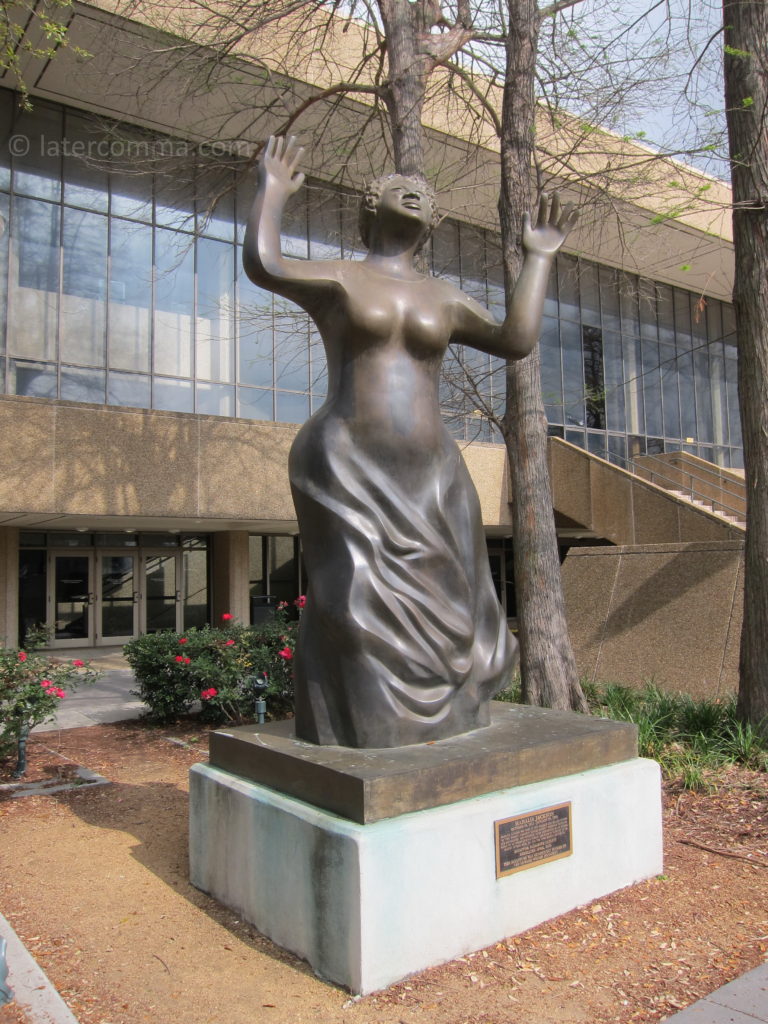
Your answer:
<point x="286" y="653"/>
<point x="207" y="694"/>
<point x="78" y="664"/>
<point x="301" y="601"/>
<point x="183" y="640"/>
<point x="228" y="643"/>
<point x="281" y="605"/>
<point x="226" y="617"/>
<point x="45" y="683"/>
<point x="58" y="693"/>
<point x="22" y="656"/>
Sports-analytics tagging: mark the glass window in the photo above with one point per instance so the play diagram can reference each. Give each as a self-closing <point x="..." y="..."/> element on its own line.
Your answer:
<point x="131" y="389"/>
<point x="32" y="591"/>
<point x="617" y="449"/>
<point x="324" y="223"/>
<point x="318" y="372"/>
<point x="283" y="568"/>
<point x="718" y="393"/>
<point x="195" y="587"/>
<point x="669" y="391"/>
<point x="216" y="399"/>
<point x="633" y="378"/>
<point x="628" y="294"/>
<point x="84" y="290"/>
<point x="590" y="294"/>
<point x="37" y="172"/>
<point x="175" y="196"/>
<point x="613" y="370"/>
<point x="173" y="395"/>
<point x="646" y="295"/>
<point x="651" y="387"/>
<point x="33" y="300"/>
<point x="293" y="233"/>
<point x="732" y="393"/>
<point x="38" y="380"/>
<point x="666" y="313"/>
<point x="174" y="297"/>
<point x="682" y="306"/>
<point x="215" y="323"/>
<point x="351" y="243"/>
<point x="573" y="378"/>
<point x="290" y="407"/>
<point x="255" y="341"/>
<point x="85" y="182"/>
<point x="291" y="346"/>
<point x="216" y="202"/>
<point x="609" y="298"/>
<point x="130" y="295"/>
<point x="131" y="195"/>
<point x="687" y="395"/>
<point x="78" y="385"/>
<point x="445" y="251"/>
<point x="568" y="287"/>
<point x="594" y="383"/>
<point x="705" y="427"/>
<point x="257" y="566"/>
<point x="255" y="404"/>
<point x="4" y="238"/>
<point x="472" y="252"/>
<point x="7" y="107"/>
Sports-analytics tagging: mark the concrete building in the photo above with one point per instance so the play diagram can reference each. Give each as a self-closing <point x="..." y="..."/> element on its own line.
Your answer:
<point x="150" y="393"/>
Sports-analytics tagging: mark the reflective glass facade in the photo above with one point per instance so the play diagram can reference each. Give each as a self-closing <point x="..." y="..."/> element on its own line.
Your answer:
<point x="119" y="288"/>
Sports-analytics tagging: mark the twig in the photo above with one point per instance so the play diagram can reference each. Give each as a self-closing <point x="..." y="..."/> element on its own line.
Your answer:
<point x="165" y="965"/>
<point x="724" y="853"/>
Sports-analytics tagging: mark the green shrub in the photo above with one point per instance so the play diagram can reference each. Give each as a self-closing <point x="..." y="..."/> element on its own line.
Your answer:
<point x="224" y="666"/>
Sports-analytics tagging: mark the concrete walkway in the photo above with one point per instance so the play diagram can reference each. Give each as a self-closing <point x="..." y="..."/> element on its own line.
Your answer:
<point x="743" y="1001"/>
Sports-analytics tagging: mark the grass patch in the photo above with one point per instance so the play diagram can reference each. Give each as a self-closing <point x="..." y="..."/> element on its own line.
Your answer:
<point x="693" y="739"/>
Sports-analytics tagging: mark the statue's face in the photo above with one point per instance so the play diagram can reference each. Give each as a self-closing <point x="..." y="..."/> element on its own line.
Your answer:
<point x="405" y="198"/>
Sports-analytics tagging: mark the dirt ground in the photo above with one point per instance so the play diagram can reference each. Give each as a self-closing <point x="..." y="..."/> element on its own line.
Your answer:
<point x="95" y="883"/>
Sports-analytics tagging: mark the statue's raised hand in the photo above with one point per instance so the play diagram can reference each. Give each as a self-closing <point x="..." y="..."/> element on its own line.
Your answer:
<point x="553" y="225"/>
<point x="278" y="163"/>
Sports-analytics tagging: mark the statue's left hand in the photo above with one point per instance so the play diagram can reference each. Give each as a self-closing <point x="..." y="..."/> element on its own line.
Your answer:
<point x="553" y="225"/>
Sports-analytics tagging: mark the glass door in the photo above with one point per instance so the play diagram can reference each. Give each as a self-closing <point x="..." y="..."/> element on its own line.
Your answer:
<point x="71" y="599"/>
<point x="117" y="606"/>
<point x="161" y="595"/>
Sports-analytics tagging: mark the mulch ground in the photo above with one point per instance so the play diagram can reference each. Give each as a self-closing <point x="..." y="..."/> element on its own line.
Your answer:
<point x="95" y="882"/>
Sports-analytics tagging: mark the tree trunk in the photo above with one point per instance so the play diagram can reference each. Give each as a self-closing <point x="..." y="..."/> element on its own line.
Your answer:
<point x="746" y="96"/>
<point x="547" y="664"/>
<point x="404" y="92"/>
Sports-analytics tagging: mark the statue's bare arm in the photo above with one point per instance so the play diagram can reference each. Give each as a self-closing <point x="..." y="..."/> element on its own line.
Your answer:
<point x="304" y="281"/>
<point x="515" y="338"/>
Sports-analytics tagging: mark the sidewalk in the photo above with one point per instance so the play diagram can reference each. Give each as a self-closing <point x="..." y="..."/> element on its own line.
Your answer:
<point x="743" y="1001"/>
<point x="110" y="700"/>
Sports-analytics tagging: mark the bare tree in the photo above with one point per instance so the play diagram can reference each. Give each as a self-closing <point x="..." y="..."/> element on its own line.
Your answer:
<point x="399" y="61"/>
<point x="746" y="92"/>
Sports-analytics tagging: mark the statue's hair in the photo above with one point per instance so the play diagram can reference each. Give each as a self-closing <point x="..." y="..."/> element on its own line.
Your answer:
<point x="370" y="200"/>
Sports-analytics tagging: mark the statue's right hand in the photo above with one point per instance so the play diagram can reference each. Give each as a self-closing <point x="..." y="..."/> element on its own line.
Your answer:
<point x="278" y="164"/>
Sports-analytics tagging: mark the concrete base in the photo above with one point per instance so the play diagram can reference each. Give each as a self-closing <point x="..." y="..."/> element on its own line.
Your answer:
<point x="368" y="905"/>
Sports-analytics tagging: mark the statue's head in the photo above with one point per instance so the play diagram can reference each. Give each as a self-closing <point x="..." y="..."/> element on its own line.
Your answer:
<point x="409" y="197"/>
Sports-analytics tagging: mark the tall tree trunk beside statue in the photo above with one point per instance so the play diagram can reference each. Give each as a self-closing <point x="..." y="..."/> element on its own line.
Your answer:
<point x="746" y="95"/>
<point x="547" y="663"/>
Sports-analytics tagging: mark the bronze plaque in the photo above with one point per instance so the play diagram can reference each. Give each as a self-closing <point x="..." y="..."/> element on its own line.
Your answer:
<point x="534" y="838"/>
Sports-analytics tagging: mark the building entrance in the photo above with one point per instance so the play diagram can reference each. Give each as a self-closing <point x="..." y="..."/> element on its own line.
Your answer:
<point x="106" y="595"/>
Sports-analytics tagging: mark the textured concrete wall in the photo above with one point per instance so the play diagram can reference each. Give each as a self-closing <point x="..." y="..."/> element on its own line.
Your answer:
<point x="77" y="459"/>
<point x="670" y="613"/>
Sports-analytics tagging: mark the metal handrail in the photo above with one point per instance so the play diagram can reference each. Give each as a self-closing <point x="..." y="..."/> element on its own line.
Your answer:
<point x="630" y="467"/>
<point x="699" y="469"/>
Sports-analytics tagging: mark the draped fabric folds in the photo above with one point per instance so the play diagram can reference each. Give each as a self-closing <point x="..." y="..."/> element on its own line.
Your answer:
<point x="402" y="639"/>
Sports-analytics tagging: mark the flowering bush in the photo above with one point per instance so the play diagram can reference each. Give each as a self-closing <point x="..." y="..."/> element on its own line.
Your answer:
<point x="32" y="686"/>
<point x="225" y="667"/>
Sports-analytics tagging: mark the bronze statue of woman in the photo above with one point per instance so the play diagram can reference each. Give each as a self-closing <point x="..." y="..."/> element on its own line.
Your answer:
<point x="402" y="639"/>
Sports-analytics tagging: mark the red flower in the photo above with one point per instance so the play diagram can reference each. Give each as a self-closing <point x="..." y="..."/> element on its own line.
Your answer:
<point x="286" y="653"/>
<point x="226" y="617"/>
<point x="183" y="640"/>
<point x="57" y="693"/>
<point x="179" y="658"/>
<point x="187" y="661"/>
<point x="78" y="664"/>
<point x="228" y="643"/>
<point x="207" y="694"/>
<point x="301" y="601"/>
<point x="22" y="656"/>
<point x="45" y="683"/>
